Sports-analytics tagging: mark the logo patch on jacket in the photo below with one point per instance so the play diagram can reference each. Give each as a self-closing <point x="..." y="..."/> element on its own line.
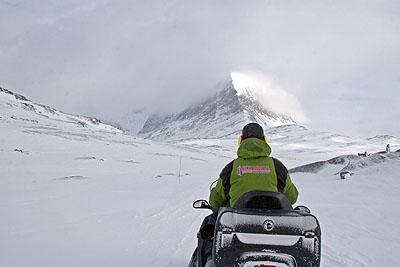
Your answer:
<point x="242" y="170"/>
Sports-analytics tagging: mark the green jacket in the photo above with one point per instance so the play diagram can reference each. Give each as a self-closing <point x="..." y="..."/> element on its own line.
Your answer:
<point x="254" y="169"/>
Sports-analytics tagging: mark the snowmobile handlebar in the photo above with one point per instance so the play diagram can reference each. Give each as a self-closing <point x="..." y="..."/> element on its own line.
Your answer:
<point x="203" y="204"/>
<point x="303" y="209"/>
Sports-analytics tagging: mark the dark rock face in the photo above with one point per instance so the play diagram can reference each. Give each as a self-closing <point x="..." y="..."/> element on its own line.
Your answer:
<point x="17" y="96"/>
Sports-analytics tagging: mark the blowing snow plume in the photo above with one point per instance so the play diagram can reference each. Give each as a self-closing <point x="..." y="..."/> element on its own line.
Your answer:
<point x="269" y="94"/>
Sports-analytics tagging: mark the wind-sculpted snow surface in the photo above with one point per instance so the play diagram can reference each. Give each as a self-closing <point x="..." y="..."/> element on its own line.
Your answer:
<point x="76" y="192"/>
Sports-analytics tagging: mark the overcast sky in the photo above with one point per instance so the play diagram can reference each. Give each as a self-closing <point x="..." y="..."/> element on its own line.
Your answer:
<point x="341" y="59"/>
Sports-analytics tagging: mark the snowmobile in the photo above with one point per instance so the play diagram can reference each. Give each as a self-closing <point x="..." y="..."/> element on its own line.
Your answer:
<point x="261" y="230"/>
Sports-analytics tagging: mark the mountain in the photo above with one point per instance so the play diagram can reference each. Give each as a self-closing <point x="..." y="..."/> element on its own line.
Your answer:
<point x="222" y="115"/>
<point x="38" y="118"/>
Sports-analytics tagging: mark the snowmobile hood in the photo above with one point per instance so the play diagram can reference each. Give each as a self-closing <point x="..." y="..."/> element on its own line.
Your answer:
<point x="253" y="148"/>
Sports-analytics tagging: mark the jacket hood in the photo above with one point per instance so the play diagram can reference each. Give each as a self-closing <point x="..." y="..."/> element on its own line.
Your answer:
<point x="253" y="148"/>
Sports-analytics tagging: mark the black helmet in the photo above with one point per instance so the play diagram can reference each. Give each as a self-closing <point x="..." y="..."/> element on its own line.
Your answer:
<point x="253" y="130"/>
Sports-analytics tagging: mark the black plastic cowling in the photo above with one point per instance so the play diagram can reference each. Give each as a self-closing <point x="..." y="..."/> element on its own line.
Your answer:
<point x="263" y="200"/>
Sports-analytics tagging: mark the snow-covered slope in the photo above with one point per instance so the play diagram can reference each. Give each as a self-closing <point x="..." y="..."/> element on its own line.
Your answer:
<point x="222" y="115"/>
<point x="38" y="117"/>
<point x="299" y="145"/>
<point x="75" y="195"/>
<point x="349" y="163"/>
<point x="359" y="215"/>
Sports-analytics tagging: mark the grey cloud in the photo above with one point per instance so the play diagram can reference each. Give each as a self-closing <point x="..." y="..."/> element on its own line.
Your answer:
<point x="108" y="57"/>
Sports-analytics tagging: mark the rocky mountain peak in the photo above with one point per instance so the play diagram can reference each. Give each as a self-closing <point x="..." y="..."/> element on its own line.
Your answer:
<point x="221" y="115"/>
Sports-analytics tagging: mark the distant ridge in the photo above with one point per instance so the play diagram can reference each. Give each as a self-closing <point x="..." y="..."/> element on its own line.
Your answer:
<point x="31" y="112"/>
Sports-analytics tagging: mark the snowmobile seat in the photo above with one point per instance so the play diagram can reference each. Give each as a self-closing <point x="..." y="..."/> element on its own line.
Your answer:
<point x="266" y="200"/>
<point x="263" y="227"/>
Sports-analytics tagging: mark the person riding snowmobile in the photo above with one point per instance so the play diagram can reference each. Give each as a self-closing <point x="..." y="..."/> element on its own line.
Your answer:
<point x="253" y="169"/>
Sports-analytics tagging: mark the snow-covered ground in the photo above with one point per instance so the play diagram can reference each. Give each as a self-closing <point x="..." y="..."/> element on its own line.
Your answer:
<point x="75" y="192"/>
